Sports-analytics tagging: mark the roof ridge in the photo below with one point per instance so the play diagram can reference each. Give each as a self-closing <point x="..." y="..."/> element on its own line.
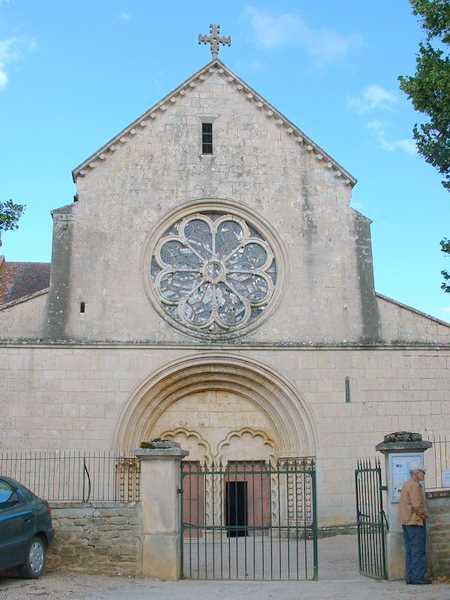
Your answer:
<point x="27" y="262"/>
<point x="218" y="67"/>
<point x="22" y="299"/>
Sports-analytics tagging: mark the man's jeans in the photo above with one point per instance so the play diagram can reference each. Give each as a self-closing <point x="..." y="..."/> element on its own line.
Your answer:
<point x="415" y="546"/>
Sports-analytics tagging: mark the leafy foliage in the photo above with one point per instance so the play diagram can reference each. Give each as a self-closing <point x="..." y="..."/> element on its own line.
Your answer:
<point x="445" y="247"/>
<point x="429" y="88"/>
<point x="429" y="91"/>
<point x="10" y="213"/>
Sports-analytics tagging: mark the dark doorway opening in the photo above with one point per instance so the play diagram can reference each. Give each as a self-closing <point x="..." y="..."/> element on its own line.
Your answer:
<point x="236" y="508"/>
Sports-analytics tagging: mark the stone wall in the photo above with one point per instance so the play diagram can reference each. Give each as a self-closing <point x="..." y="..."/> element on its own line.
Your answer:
<point x="258" y="166"/>
<point x="75" y="397"/>
<point x="95" y="539"/>
<point x="24" y="318"/>
<point x="439" y="531"/>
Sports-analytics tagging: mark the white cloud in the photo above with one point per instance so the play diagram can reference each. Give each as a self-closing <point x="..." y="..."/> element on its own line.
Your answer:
<point x="124" y="16"/>
<point x="446" y="309"/>
<point x="3" y="78"/>
<point x="406" y="144"/>
<point x="9" y="49"/>
<point x="272" y="31"/>
<point x="390" y="145"/>
<point x="373" y="97"/>
<point x="12" y="50"/>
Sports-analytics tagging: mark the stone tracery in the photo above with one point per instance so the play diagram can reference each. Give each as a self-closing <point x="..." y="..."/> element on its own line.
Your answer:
<point x="213" y="272"/>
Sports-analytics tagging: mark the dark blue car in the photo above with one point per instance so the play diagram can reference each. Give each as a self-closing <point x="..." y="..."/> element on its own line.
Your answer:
<point x="25" y="529"/>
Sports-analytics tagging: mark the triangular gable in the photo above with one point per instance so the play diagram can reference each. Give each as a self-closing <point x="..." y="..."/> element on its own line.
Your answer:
<point x="217" y="67"/>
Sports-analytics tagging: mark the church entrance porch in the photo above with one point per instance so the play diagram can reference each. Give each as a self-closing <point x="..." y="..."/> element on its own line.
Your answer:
<point x="249" y="520"/>
<point x="247" y="501"/>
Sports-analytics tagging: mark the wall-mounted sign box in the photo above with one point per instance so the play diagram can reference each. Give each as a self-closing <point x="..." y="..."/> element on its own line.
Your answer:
<point x="399" y="466"/>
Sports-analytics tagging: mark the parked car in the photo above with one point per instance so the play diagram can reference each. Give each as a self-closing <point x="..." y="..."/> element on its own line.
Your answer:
<point x="26" y="529"/>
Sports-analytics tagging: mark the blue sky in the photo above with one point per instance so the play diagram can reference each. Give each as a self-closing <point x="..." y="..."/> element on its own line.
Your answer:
<point x="73" y="74"/>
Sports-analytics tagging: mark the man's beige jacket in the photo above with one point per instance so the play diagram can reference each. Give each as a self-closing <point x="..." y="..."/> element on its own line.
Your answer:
<point x="412" y="504"/>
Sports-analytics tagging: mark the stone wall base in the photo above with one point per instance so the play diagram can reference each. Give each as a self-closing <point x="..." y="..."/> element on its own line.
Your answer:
<point x="439" y="532"/>
<point x="95" y="539"/>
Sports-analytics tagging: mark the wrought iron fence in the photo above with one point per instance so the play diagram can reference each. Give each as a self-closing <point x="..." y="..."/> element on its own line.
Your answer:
<point x="74" y="475"/>
<point x="370" y="518"/>
<point x="249" y="520"/>
<point x="437" y="462"/>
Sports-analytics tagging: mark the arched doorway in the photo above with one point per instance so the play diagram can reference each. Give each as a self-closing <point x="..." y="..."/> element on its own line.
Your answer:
<point x="246" y="428"/>
<point x="214" y="403"/>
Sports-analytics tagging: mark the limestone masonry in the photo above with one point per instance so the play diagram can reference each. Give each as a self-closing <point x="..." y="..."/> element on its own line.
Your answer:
<point x="218" y="299"/>
<point x="95" y="539"/>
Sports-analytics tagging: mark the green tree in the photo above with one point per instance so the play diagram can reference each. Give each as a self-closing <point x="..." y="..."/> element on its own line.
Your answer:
<point x="445" y="247"/>
<point x="429" y="91"/>
<point x="10" y="213"/>
<point x="429" y="88"/>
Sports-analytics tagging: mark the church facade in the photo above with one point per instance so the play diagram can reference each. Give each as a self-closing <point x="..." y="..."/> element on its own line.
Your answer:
<point x="212" y="285"/>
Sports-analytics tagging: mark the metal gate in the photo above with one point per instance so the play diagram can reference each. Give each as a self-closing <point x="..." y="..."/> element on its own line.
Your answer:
<point x="371" y="519"/>
<point x="249" y="520"/>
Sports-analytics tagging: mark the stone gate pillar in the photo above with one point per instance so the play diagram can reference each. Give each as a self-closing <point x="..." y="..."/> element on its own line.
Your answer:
<point x="401" y="450"/>
<point x="160" y="504"/>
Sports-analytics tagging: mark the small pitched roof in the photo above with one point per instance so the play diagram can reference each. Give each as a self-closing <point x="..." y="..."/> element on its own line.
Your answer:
<point x="412" y="309"/>
<point x="214" y="67"/>
<point x="22" y="279"/>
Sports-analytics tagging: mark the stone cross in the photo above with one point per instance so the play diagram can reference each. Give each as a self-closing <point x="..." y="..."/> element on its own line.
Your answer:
<point x="214" y="39"/>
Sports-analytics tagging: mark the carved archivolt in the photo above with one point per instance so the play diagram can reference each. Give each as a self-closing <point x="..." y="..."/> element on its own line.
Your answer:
<point x="240" y="433"/>
<point x="292" y="424"/>
<point x="188" y="434"/>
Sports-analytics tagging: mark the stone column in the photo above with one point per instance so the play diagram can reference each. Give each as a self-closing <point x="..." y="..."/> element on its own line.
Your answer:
<point x="401" y="450"/>
<point x="160" y="502"/>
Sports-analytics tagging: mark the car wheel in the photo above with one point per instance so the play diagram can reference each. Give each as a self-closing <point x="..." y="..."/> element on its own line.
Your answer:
<point x="35" y="563"/>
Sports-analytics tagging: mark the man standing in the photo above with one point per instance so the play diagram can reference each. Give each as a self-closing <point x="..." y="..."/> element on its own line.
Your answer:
<point x="413" y="517"/>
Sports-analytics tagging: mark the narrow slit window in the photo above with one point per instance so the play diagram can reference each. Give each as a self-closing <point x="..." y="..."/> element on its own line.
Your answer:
<point x="348" y="397"/>
<point x="82" y="307"/>
<point x="207" y="138"/>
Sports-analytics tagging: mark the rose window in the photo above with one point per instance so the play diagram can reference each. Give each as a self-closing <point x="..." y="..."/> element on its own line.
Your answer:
<point x="213" y="273"/>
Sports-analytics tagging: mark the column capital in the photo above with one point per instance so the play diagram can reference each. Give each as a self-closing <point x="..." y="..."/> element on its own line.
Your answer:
<point x="403" y="441"/>
<point x="173" y="453"/>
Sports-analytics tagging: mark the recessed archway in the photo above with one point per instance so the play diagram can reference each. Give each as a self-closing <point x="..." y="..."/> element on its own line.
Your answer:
<point x="292" y="424"/>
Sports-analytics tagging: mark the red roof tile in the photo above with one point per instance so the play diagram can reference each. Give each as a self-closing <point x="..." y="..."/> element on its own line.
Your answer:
<point x="19" y="279"/>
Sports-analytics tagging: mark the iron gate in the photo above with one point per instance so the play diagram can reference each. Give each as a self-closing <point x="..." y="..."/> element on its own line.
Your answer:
<point x="371" y="519"/>
<point x="249" y="520"/>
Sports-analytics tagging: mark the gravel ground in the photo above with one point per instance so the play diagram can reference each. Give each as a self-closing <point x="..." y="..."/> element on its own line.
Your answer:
<point x="339" y="580"/>
<point x="59" y="587"/>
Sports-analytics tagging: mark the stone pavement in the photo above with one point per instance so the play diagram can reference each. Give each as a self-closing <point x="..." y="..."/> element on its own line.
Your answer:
<point x="338" y="571"/>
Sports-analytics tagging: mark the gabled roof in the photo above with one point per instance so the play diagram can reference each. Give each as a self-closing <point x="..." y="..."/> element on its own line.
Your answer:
<point x="214" y="67"/>
<point x="22" y="279"/>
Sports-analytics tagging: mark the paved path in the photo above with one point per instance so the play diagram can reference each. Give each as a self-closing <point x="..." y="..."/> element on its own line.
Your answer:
<point x="338" y="571"/>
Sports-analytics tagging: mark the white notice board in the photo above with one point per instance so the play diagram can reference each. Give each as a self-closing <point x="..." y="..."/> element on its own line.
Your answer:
<point x="399" y="465"/>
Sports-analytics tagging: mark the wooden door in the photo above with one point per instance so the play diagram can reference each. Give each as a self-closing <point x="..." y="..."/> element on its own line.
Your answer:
<point x="193" y="499"/>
